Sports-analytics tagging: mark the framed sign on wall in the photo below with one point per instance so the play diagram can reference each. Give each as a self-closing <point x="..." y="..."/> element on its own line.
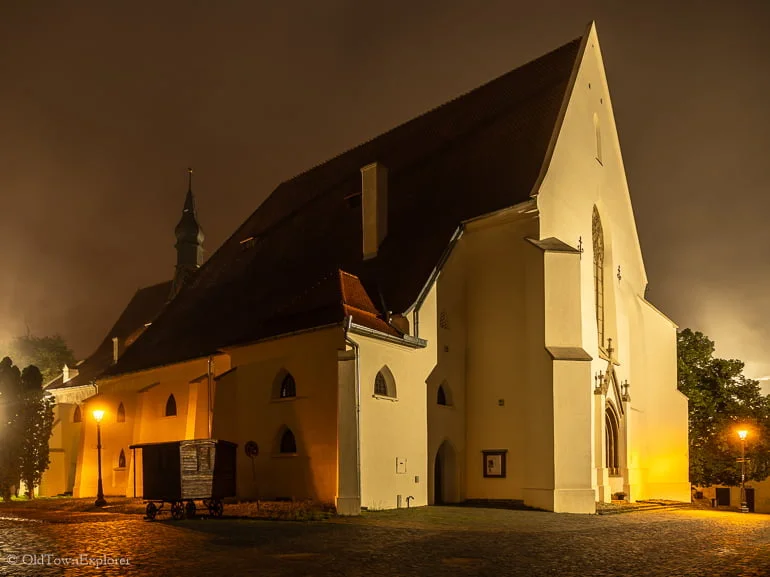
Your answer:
<point x="494" y="462"/>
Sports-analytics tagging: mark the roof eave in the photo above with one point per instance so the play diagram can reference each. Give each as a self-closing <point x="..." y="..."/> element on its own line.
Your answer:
<point x="406" y="340"/>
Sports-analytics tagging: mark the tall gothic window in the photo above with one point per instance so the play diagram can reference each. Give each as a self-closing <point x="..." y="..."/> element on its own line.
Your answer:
<point x="120" y="416"/>
<point x="612" y="432"/>
<point x="598" y="238"/>
<point x="122" y="460"/>
<point x="77" y="416"/>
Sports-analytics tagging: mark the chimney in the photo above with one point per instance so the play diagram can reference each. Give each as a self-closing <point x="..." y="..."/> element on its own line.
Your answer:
<point x="374" y="207"/>
<point x="115" y="349"/>
<point x="68" y="374"/>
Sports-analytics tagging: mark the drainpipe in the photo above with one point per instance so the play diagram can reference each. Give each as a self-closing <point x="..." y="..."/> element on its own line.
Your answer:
<point x="354" y="344"/>
<point x="209" y="413"/>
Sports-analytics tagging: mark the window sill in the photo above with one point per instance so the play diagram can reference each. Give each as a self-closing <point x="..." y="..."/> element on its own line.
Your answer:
<point x="285" y="399"/>
<point x="385" y="398"/>
<point x="284" y="455"/>
<point x="119" y="469"/>
<point x="445" y="406"/>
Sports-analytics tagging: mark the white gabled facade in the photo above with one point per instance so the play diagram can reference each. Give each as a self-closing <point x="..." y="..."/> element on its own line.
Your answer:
<point x="579" y="420"/>
<point x="532" y="367"/>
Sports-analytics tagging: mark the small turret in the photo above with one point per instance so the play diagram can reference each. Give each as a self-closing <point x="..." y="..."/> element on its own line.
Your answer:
<point x="189" y="242"/>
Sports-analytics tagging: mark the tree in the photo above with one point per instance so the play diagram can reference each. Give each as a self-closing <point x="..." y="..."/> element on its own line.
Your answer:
<point x="721" y="399"/>
<point x="36" y="423"/>
<point x="49" y="354"/>
<point x="10" y="427"/>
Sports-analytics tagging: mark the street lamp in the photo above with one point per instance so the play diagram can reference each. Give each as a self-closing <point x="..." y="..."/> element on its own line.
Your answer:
<point x="743" y="433"/>
<point x="100" y="502"/>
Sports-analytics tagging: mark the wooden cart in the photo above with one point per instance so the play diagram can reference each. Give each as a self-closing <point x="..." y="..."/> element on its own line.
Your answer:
<point x="182" y="472"/>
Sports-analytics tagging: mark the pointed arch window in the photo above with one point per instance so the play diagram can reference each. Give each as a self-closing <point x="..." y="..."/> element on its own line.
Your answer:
<point x="171" y="406"/>
<point x="444" y="394"/>
<point x="77" y="416"/>
<point x="612" y="439"/>
<point x="122" y="460"/>
<point x="120" y="415"/>
<point x="288" y="387"/>
<point x="384" y="383"/>
<point x="598" y="243"/>
<point x="380" y="386"/>
<point x="288" y="444"/>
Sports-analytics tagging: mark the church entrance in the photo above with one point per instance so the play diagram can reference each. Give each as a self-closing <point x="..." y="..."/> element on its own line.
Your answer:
<point x="444" y="475"/>
<point x="438" y="473"/>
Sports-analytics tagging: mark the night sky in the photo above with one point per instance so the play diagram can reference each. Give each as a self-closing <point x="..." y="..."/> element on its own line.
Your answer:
<point x="104" y="105"/>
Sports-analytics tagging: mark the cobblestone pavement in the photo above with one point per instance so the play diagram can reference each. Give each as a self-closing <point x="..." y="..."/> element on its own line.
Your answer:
<point x="427" y="541"/>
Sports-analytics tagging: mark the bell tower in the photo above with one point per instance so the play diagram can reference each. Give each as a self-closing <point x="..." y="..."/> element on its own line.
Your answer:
<point x="189" y="242"/>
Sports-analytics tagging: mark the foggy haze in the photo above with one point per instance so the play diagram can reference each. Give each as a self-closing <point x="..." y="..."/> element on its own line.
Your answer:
<point x="103" y="106"/>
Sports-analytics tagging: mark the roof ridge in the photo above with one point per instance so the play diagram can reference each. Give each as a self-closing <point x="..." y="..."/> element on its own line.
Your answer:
<point x="332" y="186"/>
<point x="426" y="112"/>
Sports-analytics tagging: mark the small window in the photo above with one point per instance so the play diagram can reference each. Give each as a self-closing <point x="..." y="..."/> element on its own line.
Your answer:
<point x="122" y="460"/>
<point x="171" y="406"/>
<point x="288" y="442"/>
<point x="444" y="320"/>
<point x="384" y="383"/>
<point x="204" y="459"/>
<point x="288" y="387"/>
<point x="121" y="414"/>
<point x="441" y="397"/>
<point x="380" y="386"/>
<point x="77" y="416"/>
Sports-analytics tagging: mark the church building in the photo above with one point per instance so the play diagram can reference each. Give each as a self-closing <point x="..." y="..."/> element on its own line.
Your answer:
<point x="451" y="311"/>
<point x="77" y="384"/>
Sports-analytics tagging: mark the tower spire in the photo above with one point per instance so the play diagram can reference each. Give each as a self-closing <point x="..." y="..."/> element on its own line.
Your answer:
<point x="189" y="241"/>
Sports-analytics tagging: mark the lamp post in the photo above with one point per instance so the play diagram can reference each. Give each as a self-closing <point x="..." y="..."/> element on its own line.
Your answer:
<point x="743" y="433"/>
<point x="100" y="502"/>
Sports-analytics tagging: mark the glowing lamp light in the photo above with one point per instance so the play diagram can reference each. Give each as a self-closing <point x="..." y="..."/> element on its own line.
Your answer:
<point x="98" y="416"/>
<point x="743" y="433"/>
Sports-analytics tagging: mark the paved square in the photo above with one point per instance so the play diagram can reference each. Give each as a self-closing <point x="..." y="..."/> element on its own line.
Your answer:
<point x="425" y="541"/>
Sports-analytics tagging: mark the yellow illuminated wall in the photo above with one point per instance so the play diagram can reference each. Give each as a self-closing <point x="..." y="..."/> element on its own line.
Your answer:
<point x="144" y="396"/>
<point x="249" y="408"/>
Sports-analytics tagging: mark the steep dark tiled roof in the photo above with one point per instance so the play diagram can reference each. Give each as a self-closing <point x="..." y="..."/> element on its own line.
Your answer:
<point x="145" y="305"/>
<point x="479" y="153"/>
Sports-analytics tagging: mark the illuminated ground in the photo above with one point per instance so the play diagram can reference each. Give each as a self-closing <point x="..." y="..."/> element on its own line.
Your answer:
<point x="432" y="541"/>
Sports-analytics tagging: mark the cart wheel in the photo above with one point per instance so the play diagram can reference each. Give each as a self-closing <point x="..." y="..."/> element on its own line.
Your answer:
<point x="177" y="510"/>
<point x="216" y="508"/>
<point x="189" y="510"/>
<point x="151" y="511"/>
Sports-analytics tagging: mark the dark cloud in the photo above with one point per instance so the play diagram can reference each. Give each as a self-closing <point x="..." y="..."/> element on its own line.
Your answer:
<point x="103" y="105"/>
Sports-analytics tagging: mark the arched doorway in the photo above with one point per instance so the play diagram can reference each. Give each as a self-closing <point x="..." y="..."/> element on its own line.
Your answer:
<point x="445" y="475"/>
